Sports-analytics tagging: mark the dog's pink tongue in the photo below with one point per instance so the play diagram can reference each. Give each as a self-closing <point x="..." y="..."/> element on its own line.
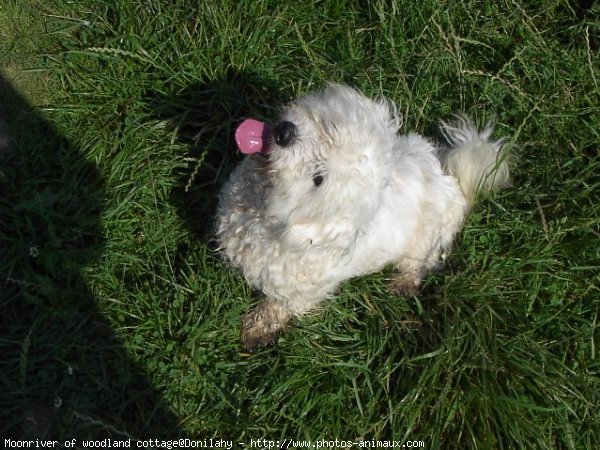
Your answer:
<point x="251" y="136"/>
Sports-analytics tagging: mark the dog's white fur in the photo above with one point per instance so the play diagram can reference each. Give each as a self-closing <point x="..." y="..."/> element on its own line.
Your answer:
<point x="385" y="199"/>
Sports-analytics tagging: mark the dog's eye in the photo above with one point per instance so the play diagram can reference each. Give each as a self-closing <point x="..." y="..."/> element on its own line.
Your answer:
<point x="284" y="133"/>
<point x="317" y="180"/>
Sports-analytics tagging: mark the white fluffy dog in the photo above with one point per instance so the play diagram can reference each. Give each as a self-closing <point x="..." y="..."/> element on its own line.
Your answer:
<point x="333" y="192"/>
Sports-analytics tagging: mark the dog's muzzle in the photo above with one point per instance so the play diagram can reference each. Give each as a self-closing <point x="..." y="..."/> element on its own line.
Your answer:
<point x="285" y="133"/>
<point x="254" y="136"/>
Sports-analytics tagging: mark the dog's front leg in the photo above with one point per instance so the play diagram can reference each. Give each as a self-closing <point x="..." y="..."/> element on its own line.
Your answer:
<point x="264" y="323"/>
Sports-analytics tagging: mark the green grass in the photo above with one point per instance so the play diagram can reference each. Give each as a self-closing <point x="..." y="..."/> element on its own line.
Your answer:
<point x="117" y="318"/>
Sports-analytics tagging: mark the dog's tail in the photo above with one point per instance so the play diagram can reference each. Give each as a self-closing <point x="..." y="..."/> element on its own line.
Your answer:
<point x="478" y="163"/>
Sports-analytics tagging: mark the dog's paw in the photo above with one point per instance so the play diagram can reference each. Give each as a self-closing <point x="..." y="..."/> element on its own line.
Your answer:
<point x="405" y="286"/>
<point x="263" y="324"/>
<point x="257" y="332"/>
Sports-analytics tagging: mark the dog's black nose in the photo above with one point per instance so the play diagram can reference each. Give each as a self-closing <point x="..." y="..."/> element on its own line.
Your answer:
<point x="285" y="133"/>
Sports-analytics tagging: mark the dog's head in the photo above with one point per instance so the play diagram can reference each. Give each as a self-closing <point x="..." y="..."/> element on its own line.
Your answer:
<point x="330" y="157"/>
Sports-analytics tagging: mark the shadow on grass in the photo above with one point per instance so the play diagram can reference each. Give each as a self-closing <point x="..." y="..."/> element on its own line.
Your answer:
<point x="205" y="117"/>
<point x="63" y="372"/>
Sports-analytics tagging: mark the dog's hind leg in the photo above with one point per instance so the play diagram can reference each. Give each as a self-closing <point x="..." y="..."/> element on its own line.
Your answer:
<point x="408" y="280"/>
<point x="413" y="268"/>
